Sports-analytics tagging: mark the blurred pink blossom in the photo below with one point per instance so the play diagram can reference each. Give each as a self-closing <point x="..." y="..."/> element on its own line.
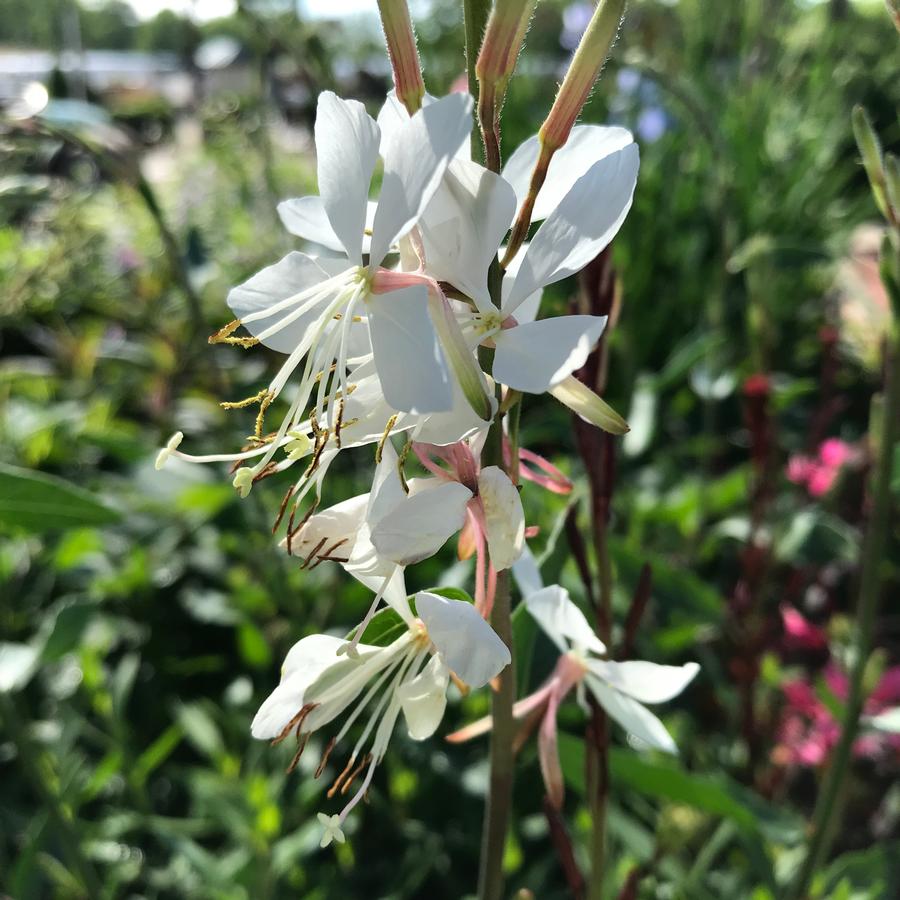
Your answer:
<point x="799" y="633"/>
<point x="819" y="474"/>
<point x="808" y="731"/>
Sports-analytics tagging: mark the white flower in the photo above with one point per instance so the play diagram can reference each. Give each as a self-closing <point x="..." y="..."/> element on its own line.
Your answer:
<point x="374" y="536"/>
<point x="621" y="688"/>
<point x="328" y="315"/>
<point x="409" y="675"/>
<point x="584" y="200"/>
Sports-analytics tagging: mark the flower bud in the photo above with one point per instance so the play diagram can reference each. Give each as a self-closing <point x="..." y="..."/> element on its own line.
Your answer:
<point x="502" y="41"/>
<point x="401" y="45"/>
<point x="589" y="58"/>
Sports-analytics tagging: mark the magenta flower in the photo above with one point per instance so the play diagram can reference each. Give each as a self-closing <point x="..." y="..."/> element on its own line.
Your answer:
<point x="809" y="731"/>
<point x="818" y="474"/>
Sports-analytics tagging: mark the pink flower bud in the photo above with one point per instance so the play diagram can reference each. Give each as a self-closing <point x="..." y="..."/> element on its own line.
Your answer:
<point x="583" y="71"/>
<point x="401" y="45"/>
<point x="503" y="40"/>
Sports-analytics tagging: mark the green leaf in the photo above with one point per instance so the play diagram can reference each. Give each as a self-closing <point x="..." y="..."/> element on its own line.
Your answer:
<point x="668" y="781"/>
<point x="386" y="626"/>
<point x="41" y="503"/>
<point x="67" y="630"/>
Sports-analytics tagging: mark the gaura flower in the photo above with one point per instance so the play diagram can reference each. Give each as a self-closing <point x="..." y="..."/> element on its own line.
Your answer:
<point x="583" y="202"/>
<point x="444" y="639"/>
<point x="329" y="315"/>
<point x="374" y="536"/>
<point x="621" y="688"/>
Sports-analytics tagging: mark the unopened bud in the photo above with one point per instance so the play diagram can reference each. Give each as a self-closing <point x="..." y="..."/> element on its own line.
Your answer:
<point x="401" y="45"/>
<point x="589" y="58"/>
<point x="503" y="40"/>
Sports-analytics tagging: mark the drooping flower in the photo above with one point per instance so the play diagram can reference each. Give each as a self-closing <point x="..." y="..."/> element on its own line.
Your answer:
<point x="621" y="688"/>
<point x="443" y="639"/>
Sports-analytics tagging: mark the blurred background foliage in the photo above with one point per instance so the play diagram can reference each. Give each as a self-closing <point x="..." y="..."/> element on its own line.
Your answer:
<point x="145" y="614"/>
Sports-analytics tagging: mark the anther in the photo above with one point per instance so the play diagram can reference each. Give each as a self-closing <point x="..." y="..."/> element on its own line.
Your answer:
<point x="224" y="336"/>
<point x="391" y="422"/>
<point x="325" y="754"/>
<point x="352" y="776"/>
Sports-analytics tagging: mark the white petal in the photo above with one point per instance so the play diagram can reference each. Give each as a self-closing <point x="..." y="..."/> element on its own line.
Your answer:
<point x="424" y="699"/>
<point x="419" y="526"/>
<point x="583" y="224"/>
<point x="463" y="225"/>
<point x="469" y="646"/>
<point x="562" y="620"/>
<point x="527" y="309"/>
<point x="347" y="141"/>
<point x="634" y="718"/>
<point x="306" y="218"/>
<point x="408" y="357"/>
<point x="449" y="427"/>
<point x="586" y="145"/>
<point x="645" y="681"/>
<point x="295" y="273"/>
<point x="537" y="356"/>
<point x="387" y="489"/>
<point x="305" y="662"/>
<point x="504" y="516"/>
<point x="415" y="159"/>
<point x="340" y="522"/>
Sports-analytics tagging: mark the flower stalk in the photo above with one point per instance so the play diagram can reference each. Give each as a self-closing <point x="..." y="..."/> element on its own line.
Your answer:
<point x="588" y="61"/>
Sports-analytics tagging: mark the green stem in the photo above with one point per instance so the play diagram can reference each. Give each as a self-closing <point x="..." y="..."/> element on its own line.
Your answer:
<point x="499" y="799"/>
<point x="829" y="803"/>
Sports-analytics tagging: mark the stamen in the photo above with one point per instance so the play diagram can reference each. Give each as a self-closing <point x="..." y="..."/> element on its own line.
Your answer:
<point x="283" y="508"/>
<point x="379" y="450"/>
<point x="313" y="552"/>
<point x="296" y="723"/>
<point x="338" y="423"/>
<point x="302" y="742"/>
<point x="292" y="531"/>
<point x="326" y="555"/>
<point x="352" y="776"/>
<point x="335" y="787"/>
<point x="224" y="336"/>
<point x="325" y="754"/>
<point x="247" y="401"/>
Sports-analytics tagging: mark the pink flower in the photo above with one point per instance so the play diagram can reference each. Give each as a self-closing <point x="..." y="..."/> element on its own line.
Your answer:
<point x="818" y="475"/>
<point x="808" y="730"/>
<point x="799" y="633"/>
<point x="834" y="452"/>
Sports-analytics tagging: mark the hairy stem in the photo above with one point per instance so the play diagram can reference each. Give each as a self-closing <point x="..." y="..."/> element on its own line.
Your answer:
<point x="475" y="16"/>
<point x="829" y="802"/>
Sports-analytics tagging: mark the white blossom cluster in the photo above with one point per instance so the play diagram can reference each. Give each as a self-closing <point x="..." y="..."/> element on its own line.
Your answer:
<point x="380" y="331"/>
